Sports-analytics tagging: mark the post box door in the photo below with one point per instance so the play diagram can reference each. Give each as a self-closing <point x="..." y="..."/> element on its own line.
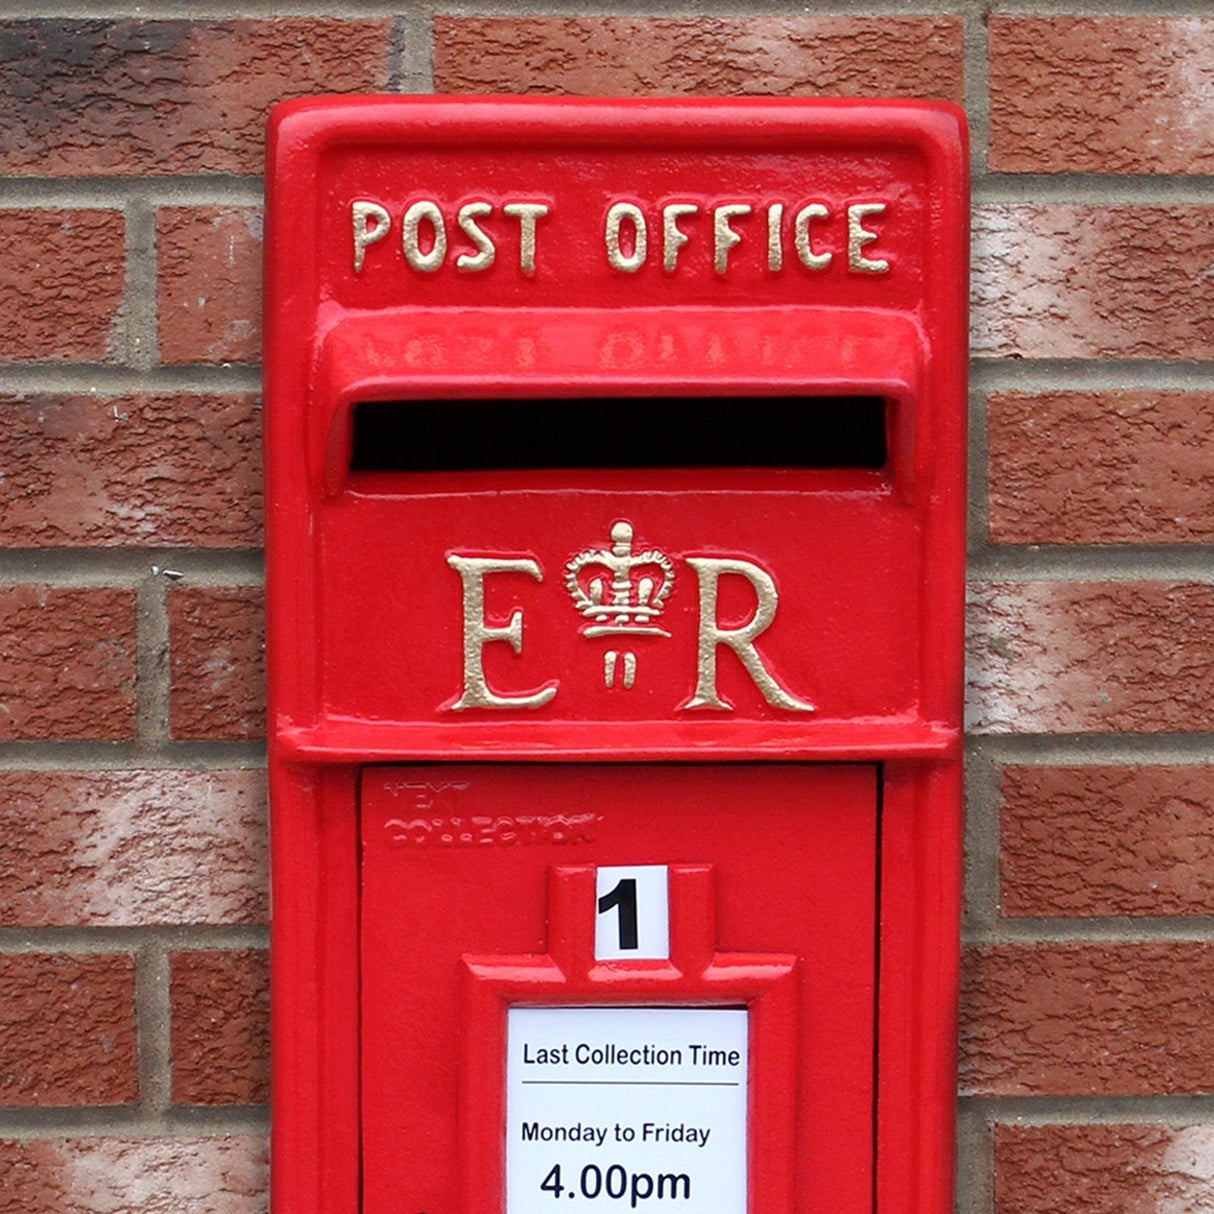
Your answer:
<point x="523" y="1007"/>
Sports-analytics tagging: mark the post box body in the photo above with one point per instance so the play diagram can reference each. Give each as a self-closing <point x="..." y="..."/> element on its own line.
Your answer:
<point x="615" y="521"/>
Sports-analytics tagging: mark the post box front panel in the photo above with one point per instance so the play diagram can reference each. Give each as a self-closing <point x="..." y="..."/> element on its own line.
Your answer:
<point x="516" y="968"/>
<point x="747" y="893"/>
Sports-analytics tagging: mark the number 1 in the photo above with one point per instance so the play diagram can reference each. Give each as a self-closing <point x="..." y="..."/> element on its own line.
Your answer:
<point x="624" y="899"/>
<point x="631" y="912"/>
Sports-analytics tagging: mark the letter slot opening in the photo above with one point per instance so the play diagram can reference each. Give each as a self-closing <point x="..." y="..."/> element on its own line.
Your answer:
<point x="620" y="432"/>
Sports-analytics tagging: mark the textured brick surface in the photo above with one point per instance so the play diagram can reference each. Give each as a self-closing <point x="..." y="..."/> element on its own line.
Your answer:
<point x="61" y="279"/>
<point x="618" y="56"/>
<point x="209" y="262"/>
<point x="118" y="848"/>
<point x="1066" y="657"/>
<point x="92" y="471"/>
<point x="1104" y="1169"/>
<point x="1108" y="841"/>
<point x="217" y="643"/>
<point x="67" y="1030"/>
<point x="1102" y="94"/>
<point x="1101" y="468"/>
<point x="114" y="97"/>
<point x="68" y="657"/>
<point x="221" y="1027"/>
<point x="1088" y="1019"/>
<point x="1062" y="281"/>
<point x="1078" y="271"/>
<point x="220" y="1175"/>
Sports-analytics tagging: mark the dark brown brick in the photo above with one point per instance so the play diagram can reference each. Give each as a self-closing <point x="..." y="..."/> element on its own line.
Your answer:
<point x="132" y="97"/>
<point x="1094" y="1019"/>
<point x="1056" y="280"/>
<point x="68" y="656"/>
<point x="94" y="471"/>
<point x="1077" y="657"/>
<point x="209" y="262"/>
<point x="888" y="56"/>
<point x="120" y="848"/>
<point x="1103" y="1169"/>
<point x="67" y="1030"/>
<point x="1101" y="94"/>
<point x="1091" y="840"/>
<point x="221" y="1027"/>
<point x="1101" y="468"/>
<point x="62" y="274"/>
<point x="217" y="643"/>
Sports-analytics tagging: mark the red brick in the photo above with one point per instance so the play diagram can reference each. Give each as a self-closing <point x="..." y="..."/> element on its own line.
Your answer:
<point x="119" y="848"/>
<point x="1088" y="1019"/>
<point x="92" y="471"/>
<point x="1075" y="657"/>
<point x="1103" y="1169"/>
<point x="100" y="1175"/>
<point x="620" y="56"/>
<point x="217" y="643"/>
<point x="1055" y="280"/>
<point x="132" y="97"/>
<point x="67" y="1030"/>
<point x="68" y="656"/>
<point x="221" y="1027"/>
<point x="1101" y="94"/>
<point x="1101" y="468"/>
<point x="1108" y="841"/>
<point x="62" y="273"/>
<point x="209" y="261"/>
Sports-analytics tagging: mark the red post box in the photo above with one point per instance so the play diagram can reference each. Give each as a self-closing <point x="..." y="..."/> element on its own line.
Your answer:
<point x="615" y="528"/>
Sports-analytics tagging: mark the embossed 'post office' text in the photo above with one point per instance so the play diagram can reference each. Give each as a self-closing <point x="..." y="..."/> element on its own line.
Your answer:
<point x="468" y="235"/>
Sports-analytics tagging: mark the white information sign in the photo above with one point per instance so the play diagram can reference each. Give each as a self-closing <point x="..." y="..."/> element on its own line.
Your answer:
<point x="633" y="1108"/>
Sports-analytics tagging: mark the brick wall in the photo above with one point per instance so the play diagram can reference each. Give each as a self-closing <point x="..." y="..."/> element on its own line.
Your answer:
<point x="132" y="806"/>
<point x="1086" y="1071"/>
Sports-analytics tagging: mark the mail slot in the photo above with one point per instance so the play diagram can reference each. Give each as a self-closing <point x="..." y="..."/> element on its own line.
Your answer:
<point x="615" y="530"/>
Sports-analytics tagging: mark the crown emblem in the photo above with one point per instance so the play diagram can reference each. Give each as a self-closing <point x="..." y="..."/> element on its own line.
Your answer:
<point x="620" y="591"/>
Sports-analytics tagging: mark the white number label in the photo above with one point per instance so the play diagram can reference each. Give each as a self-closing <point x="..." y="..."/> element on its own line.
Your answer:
<point x="632" y="913"/>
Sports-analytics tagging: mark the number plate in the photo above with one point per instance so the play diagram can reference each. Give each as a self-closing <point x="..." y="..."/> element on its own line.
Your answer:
<point x="633" y="921"/>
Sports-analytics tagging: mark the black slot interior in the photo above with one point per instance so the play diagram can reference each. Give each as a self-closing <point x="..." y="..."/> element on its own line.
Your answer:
<point x="619" y="432"/>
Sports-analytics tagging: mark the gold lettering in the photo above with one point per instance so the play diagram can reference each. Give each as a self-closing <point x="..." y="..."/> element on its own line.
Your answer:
<point x="673" y="239"/>
<point x="616" y="257"/>
<point x="410" y="240"/>
<point x="723" y="236"/>
<point x="477" y="692"/>
<point x="858" y="236"/>
<point x="485" y="253"/>
<point x="527" y="214"/>
<point x="810" y="259"/>
<point x="361" y="213"/>
<point x="740" y="640"/>
<point x="775" y="243"/>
